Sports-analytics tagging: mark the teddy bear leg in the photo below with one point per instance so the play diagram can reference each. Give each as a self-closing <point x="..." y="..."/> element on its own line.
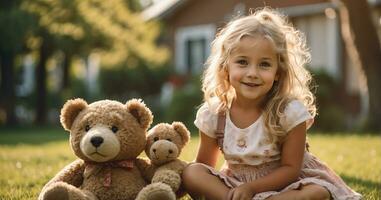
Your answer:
<point x="64" y="191"/>
<point x="156" y="191"/>
<point x="168" y="177"/>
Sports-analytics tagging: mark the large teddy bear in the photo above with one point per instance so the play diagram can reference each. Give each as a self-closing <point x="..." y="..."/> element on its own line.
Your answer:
<point x="164" y="145"/>
<point x="107" y="137"/>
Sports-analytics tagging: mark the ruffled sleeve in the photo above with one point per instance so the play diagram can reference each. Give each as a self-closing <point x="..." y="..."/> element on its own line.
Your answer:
<point x="294" y="114"/>
<point x="206" y="121"/>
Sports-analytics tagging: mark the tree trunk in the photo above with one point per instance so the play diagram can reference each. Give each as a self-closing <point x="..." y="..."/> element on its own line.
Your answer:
<point x="7" y="91"/>
<point x="66" y="71"/>
<point x="41" y="108"/>
<point x="363" y="45"/>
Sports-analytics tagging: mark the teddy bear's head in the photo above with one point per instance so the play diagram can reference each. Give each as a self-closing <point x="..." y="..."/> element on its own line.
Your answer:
<point x="165" y="142"/>
<point x="106" y="130"/>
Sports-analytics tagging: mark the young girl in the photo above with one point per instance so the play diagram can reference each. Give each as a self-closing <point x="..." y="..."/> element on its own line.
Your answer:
<point x="257" y="109"/>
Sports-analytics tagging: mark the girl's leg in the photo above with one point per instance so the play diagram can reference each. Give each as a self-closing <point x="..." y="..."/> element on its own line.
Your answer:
<point x="307" y="192"/>
<point x="315" y="192"/>
<point x="198" y="181"/>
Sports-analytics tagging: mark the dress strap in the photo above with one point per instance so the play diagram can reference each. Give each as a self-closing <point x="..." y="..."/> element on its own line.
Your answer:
<point x="220" y="131"/>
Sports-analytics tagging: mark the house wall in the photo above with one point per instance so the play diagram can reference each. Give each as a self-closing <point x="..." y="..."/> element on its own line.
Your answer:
<point x="323" y="39"/>
<point x="196" y="12"/>
<point x="322" y="32"/>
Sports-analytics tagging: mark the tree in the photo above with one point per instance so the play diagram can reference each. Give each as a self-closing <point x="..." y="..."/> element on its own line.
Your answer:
<point x="16" y="25"/>
<point x="80" y="27"/>
<point x="363" y="45"/>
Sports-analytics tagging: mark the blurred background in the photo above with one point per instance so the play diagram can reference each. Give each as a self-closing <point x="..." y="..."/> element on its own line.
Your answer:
<point x="55" y="50"/>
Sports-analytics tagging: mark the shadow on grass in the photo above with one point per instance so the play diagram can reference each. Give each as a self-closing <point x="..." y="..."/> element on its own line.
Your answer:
<point x="32" y="135"/>
<point x="350" y="180"/>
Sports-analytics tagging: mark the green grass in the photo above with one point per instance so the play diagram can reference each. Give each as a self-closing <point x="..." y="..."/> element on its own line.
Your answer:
<point x="29" y="158"/>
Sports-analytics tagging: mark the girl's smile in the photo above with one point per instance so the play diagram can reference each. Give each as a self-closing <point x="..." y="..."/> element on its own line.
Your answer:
<point x="253" y="68"/>
<point x="251" y="84"/>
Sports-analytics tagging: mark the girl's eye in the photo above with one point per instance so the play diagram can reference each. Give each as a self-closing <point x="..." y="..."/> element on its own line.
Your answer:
<point x="87" y="128"/>
<point x="264" y="64"/>
<point x="242" y="62"/>
<point x="114" y="129"/>
<point x="155" y="139"/>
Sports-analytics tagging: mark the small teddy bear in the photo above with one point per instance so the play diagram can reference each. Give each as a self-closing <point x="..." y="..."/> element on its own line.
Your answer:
<point x="164" y="145"/>
<point x="107" y="137"/>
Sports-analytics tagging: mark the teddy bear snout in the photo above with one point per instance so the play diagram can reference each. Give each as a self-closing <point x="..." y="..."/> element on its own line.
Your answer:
<point x="170" y="151"/>
<point x="100" y="144"/>
<point x="163" y="151"/>
<point x="96" y="141"/>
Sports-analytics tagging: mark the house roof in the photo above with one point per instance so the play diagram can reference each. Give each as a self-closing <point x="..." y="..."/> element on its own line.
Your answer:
<point x="161" y="9"/>
<point x="164" y="8"/>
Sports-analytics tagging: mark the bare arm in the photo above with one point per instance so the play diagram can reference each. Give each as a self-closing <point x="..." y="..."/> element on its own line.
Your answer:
<point x="208" y="150"/>
<point x="291" y="162"/>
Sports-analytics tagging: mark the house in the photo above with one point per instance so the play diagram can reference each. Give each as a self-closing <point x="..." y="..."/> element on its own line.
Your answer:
<point x="190" y="26"/>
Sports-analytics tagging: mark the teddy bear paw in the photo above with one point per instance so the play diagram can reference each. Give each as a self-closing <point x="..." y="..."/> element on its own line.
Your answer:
<point x="57" y="191"/>
<point x="156" y="191"/>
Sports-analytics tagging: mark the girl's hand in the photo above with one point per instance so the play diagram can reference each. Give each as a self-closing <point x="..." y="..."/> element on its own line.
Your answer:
<point x="242" y="192"/>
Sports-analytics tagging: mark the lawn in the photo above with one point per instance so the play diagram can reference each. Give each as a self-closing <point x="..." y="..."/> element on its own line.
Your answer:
<point x="30" y="157"/>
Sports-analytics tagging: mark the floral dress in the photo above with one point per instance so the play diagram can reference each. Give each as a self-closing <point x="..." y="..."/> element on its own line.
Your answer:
<point x="250" y="153"/>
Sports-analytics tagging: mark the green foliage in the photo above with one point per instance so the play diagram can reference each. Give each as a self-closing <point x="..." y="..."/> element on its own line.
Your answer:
<point x="184" y="103"/>
<point x="78" y="28"/>
<point x="32" y="156"/>
<point x="110" y="27"/>
<point x="331" y="112"/>
<point x="15" y="25"/>
<point x="137" y="80"/>
<point x="125" y="82"/>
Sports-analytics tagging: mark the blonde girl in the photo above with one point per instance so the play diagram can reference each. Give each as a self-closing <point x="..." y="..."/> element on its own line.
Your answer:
<point x="258" y="106"/>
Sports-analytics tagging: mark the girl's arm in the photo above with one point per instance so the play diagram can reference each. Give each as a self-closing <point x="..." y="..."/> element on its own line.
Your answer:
<point x="208" y="150"/>
<point x="291" y="164"/>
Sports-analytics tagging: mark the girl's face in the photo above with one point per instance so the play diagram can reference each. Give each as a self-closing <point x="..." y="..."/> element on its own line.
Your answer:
<point x="252" y="68"/>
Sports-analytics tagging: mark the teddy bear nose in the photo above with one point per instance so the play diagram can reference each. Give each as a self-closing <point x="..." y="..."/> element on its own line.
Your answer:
<point x="170" y="151"/>
<point x="96" y="141"/>
<point x="154" y="150"/>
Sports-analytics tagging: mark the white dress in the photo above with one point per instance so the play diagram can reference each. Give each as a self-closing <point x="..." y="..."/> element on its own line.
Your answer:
<point x="250" y="153"/>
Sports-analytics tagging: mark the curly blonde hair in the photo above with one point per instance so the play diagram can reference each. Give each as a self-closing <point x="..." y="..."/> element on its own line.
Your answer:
<point x="294" y="80"/>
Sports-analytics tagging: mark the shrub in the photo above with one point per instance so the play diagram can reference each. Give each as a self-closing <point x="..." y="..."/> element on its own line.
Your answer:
<point x="184" y="103"/>
<point x="329" y="97"/>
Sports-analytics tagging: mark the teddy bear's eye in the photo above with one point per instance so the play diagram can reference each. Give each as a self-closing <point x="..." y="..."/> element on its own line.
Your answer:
<point x="87" y="128"/>
<point x="155" y="139"/>
<point x="114" y="129"/>
<point x="169" y="139"/>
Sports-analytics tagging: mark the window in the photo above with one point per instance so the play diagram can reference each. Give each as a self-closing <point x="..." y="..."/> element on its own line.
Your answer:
<point x="192" y="47"/>
<point x="196" y="54"/>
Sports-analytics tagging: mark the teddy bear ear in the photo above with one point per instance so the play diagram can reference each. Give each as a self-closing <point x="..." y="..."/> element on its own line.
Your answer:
<point x="140" y="111"/>
<point x="182" y="130"/>
<point x="70" y="111"/>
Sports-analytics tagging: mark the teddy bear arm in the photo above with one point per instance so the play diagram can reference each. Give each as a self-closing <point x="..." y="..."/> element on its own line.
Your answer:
<point x="176" y="165"/>
<point x="69" y="177"/>
<point x="169" y="177"/>
<point x="146" y="168"/>
<point x="71" y="174"/>
<point x="170" y="174"/>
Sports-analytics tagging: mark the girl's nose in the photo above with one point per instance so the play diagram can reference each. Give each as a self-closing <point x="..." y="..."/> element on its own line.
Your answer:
<point x="253" y="71"/>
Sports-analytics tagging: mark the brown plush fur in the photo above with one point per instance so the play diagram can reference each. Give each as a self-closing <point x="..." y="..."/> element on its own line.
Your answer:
<point x="164" y="145"/>
<point x="123" y="128"/>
